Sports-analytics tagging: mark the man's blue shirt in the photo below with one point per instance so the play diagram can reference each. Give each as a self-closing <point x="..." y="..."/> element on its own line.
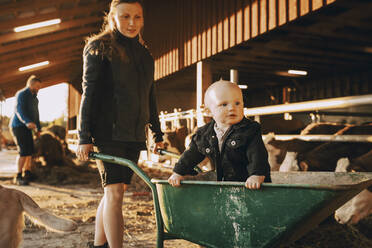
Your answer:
<point x="26" y="109"/>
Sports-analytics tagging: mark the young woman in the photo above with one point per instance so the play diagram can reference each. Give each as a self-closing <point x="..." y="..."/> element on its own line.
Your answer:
<point x="118" y="101"/>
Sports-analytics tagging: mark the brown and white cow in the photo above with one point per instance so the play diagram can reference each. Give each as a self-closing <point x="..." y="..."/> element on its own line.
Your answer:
<point x="174" y="141"/>
<point x="283" y="154"/>
<point x="325" y="156"/>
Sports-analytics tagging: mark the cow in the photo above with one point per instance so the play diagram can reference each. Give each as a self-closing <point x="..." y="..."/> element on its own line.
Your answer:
<point x="361" y="164"/>
<point x="13" y="204"/>
<point x="283" y="154"/>
<point x="275" y="154"/>
<point x="174" y="141"/>
<point x="176" y="138"/>
<point x="361" y="205"/>
<point x="325" y="156"/>
<point x="278" y="125"/>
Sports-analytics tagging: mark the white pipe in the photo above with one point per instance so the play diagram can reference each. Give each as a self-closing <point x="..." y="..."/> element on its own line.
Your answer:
<point x="332" y="103"/>
<point x="327" y="138"/>
<point x="234" y="76"/>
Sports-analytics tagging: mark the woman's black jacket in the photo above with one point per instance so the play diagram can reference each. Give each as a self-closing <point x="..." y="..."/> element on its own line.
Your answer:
<point x="118" y="98"/>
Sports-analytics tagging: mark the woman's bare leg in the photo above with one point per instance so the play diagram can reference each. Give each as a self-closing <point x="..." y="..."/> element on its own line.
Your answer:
<point x="112" y="214"/>
<point x="27" y="165"/>
<point x="99" y="235"/>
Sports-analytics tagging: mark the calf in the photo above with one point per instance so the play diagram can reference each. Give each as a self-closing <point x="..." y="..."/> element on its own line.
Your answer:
<point x="13" y="203"/>
<point x="176" y="138"/>
<point x="169" y="147"/>
<point x="174" y="141"/>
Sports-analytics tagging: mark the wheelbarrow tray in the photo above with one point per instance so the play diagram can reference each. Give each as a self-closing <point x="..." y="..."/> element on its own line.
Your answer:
<point x="226" y="214"/>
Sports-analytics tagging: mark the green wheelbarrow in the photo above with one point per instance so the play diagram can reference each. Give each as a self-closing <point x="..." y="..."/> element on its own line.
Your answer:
<point x="228" y="215"/>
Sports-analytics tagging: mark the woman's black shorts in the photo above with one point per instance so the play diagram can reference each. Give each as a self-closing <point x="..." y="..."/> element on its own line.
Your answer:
<point x="23" y="138"/>
<point x="114" y="173"/>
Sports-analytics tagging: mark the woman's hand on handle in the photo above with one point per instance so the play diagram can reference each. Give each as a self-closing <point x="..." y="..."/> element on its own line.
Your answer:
<point x="83" y="151"/>
<point x="158" y="145"/>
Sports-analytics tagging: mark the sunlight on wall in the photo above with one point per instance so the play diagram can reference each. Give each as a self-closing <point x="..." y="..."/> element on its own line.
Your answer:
<point x="52" y="102"/>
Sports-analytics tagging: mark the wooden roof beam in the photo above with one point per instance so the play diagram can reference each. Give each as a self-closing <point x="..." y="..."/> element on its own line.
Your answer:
<point x="6" y="38"/>
<point x="57" y="70"/>
<point x="10" y="75"/>
<point x="16" y="6"/>
<point x="49" y="55"/>
<point x="60" y="13"/>
<point x="34" y="51"/>
<point x="47" y="39"/>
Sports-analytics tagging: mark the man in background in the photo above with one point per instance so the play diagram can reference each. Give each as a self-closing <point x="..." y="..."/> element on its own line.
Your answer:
<point x="22" y="123"/>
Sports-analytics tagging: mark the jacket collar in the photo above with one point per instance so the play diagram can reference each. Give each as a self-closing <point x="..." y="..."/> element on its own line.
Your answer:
<point x="124" y="40"/>
<point x="243" y="123"/>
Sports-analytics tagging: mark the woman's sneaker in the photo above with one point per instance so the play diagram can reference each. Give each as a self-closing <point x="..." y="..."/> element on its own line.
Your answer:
<point x="19" y="180"/>
<point x="29" y="176"/>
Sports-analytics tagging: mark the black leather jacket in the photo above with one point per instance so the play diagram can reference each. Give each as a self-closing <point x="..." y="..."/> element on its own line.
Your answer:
<point x="118" y="98"/>
<point x="243" y="152"/>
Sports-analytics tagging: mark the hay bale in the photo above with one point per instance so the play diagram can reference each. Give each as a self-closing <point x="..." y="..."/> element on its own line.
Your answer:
<point x="333" y="235"/>
<point x="67" y="175"/>
<point x="50" y="149"/>
<point x="60" y="133"/>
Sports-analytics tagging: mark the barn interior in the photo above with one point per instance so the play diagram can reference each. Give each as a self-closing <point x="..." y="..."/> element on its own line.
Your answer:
<point x="257" y="41"/>
<point x="296" y="61"/>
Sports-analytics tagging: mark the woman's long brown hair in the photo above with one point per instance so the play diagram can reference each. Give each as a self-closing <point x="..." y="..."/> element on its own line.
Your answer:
<point x="108" y="25"/>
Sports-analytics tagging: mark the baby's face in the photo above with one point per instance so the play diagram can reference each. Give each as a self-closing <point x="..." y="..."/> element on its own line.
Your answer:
<point x="226" y="106"/>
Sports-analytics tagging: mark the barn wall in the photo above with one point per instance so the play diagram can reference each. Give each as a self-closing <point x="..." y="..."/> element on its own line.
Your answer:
<point x="168" y="100"/>
<point x="358" y="83"/>
<point x="182" y="32"/>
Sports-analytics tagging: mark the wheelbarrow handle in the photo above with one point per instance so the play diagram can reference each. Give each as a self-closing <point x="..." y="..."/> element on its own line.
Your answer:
<point x="166" y="152"/>
<point x="175" y="155"/>
<point x="144" y="177"/>
<point x="124" y="162"/>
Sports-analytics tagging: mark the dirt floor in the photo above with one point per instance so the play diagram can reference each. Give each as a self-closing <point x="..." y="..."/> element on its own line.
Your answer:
<point x="74" y="192"/>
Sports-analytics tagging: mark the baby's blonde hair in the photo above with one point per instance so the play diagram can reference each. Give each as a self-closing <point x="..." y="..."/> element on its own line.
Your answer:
<point x="218" y="84"/>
